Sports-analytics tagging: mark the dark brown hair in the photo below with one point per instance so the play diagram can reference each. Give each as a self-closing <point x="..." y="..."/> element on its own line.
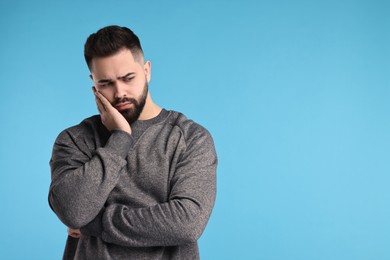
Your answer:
<point x="109" y="40"/>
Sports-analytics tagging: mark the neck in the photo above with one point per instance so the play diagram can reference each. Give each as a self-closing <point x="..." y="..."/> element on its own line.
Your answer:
<point x="150" y="110"/>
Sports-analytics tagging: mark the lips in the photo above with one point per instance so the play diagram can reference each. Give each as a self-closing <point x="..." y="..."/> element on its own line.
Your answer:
<point x="123" y="106"/>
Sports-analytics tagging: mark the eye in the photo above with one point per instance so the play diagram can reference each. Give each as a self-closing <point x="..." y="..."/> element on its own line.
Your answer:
<point x="127" y="79"/>
<point x="105" y="84"/>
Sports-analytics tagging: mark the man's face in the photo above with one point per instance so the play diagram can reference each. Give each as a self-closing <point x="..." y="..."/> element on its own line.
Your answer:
<point x="123" y="81"/>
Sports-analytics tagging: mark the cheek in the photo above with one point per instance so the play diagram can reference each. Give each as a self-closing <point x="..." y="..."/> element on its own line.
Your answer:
<point x="141" y="84"/>
<point x="135" y="87"/>
<point x="107" y="93"/>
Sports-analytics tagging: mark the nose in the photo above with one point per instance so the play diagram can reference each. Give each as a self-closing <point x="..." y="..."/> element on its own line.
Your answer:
<point x="119" y="90"/>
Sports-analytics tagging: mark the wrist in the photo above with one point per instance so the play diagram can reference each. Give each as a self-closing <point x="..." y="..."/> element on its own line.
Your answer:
<point x="95" y="227"/>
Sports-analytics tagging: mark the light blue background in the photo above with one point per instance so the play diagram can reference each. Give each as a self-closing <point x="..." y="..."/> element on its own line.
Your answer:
<point x="295" y="94"/>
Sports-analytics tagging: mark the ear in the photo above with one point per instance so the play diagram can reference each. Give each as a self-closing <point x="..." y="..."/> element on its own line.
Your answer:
<point x="148" y="70"/>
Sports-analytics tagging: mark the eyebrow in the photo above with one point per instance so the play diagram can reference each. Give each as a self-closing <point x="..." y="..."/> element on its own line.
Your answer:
<point x="127" y="75"/>
<point x="121" y="77"/>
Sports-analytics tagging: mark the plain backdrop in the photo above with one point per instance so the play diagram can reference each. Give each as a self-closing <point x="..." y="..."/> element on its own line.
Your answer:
<point x="295" y="93"/>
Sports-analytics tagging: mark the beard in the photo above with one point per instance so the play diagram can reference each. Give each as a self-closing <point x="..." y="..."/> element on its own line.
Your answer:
<point x="132" y="114"/>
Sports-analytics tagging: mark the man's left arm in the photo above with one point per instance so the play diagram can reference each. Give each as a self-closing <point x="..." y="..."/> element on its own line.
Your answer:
<point x="180" y="220"/>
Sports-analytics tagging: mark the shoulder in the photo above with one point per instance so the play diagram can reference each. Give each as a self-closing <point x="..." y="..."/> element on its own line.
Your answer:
<point x="86" y="128"/>
<point x="198" y="143"/>
<point x="190" y="129"/>
<point x="187" y="126"/>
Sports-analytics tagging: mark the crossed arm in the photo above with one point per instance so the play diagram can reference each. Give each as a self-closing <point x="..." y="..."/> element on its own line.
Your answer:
<point x="179" y="220"/>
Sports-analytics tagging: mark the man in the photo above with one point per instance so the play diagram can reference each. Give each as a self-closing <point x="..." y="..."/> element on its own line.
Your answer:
<point x="136" y="181"/>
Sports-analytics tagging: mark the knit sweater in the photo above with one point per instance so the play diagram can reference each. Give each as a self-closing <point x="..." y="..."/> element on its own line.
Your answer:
<point x="147" y="195"/>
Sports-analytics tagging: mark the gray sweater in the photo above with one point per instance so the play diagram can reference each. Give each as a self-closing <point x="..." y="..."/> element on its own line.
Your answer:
<point x="147" y="195"/>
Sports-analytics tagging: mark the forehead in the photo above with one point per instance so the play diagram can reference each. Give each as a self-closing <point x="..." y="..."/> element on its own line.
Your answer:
<point x="120" y="63"/>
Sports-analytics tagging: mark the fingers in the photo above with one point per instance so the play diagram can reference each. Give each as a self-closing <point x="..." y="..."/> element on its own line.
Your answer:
<point x="99" y="105"/>
<point x="99" y="100"/>
<point x="105" y="104"/>
<point x="74" y="233"/>
<point x="111" y="118"/>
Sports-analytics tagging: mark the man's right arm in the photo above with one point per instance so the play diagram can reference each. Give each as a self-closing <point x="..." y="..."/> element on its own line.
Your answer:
<point x="81" y="181"/>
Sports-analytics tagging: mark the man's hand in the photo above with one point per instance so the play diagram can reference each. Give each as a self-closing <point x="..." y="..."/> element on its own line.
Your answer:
<point x="74" y="233"/>
<point x="111" y="118"/>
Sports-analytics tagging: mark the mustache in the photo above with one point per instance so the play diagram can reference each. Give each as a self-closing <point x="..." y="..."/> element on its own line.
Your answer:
<point x="123" y="100"/>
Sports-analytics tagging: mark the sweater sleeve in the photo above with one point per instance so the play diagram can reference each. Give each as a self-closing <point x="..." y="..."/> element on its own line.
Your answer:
<point x="81" y="179"/>
<point x="178" y="221"/>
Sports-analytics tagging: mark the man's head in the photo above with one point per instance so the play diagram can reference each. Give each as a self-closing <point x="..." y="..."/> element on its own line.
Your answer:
<point x="115" y="59"/>
<point x="109" y="40"/>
